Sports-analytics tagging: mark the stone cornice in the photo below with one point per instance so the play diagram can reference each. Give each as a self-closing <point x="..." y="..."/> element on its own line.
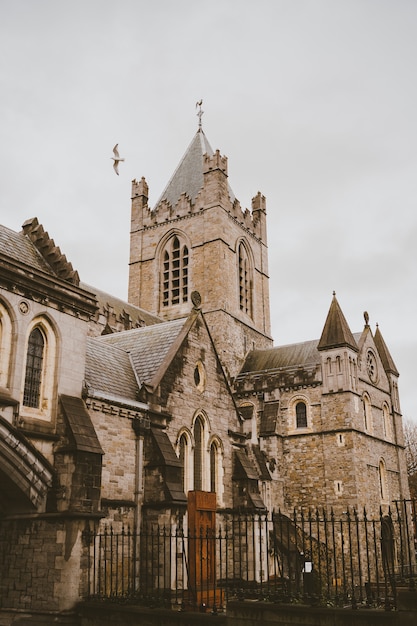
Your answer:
<point x="40" y="287"/>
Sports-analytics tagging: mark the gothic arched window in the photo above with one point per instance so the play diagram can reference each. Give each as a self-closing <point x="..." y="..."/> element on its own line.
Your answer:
<point x="367" y="413"/>
<point x="383" y="481"/>
<point x="184" y="458"/>
<point x="174" y="273"/>
<point x="198" y="453"/>
<point x="245" y="281"/>
<point x="213" y="467"/>
<point x="34" y="368"/>
<point x="386" y="421"/>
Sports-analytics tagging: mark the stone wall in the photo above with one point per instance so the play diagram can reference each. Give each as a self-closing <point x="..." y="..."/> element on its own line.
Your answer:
<point x="42" y="566"/>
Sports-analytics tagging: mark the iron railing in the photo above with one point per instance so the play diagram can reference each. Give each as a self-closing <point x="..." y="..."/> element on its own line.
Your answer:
<point x="351" y="560"/>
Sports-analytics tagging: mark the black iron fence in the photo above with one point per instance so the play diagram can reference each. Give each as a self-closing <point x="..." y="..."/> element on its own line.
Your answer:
<point x="349" y="560"/>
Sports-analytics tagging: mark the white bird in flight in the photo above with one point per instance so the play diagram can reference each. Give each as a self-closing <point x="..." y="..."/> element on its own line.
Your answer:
<point x="116" y="159"/>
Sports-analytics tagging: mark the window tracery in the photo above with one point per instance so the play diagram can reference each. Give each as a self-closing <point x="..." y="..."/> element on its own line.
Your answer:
<point x="175" y="259"/>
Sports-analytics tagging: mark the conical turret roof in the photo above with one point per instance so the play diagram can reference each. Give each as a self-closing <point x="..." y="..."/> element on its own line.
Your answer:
<point x="384" y="353"/>
<point x="188" y="177"/>
<point x="336" y="331"/>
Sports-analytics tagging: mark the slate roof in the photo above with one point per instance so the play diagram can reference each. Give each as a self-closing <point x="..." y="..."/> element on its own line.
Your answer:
<point x="245" y="466"/>
<point x="384" y="353"/>
<point x="81" y="427"/>
<point x="188" y="177"/>
<point x="122" y="362"/>
<point x="108" y="369"/>
<point x="286" y="357"/>
<point x="336" y="331"/>
<point x="282" y="357"/>
<point x="120" y="307"/>
<point x="19" y="248"/>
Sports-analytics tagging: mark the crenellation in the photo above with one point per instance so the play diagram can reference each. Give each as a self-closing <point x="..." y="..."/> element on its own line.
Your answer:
<point x="215" y="162"/>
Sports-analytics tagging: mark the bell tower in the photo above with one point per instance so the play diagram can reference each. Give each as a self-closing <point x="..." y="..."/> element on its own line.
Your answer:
<point x="198" y="238"/>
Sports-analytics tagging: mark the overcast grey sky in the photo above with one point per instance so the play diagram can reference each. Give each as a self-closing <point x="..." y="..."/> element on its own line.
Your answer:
<point x="314" y="102"/>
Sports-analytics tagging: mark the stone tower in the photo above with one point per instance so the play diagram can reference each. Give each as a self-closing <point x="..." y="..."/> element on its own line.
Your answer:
<point x="198" y="239"/>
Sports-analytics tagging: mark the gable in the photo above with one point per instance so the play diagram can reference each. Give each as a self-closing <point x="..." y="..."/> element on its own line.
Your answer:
<point x="195" y="373"/>
<point x="371" y="367"/>
<point x="147" y="346"/>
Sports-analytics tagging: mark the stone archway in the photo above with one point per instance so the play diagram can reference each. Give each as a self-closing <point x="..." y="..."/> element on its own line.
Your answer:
<point x="25" y="475"/>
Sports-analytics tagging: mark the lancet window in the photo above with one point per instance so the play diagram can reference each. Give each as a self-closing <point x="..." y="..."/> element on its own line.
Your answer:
<point x="245" y="281"/>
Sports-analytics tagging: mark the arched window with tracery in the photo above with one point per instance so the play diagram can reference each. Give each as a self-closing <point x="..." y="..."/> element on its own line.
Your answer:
<point x="34" y="369"/>
<point x="38" y="393"/>
<point x="245" y="281"/>
<point x="175" y="259"/>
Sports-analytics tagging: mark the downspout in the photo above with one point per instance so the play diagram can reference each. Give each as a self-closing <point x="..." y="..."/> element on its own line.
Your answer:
<point x="140" y="426"/>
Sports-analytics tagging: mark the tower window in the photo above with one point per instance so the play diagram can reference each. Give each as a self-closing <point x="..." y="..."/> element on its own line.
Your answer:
<point x="175" y="273"/>
<point x="245" y="281"/>
<point x="367" y="413"/>
<point x="301" y="415"/>
<point x="34" y="365"/>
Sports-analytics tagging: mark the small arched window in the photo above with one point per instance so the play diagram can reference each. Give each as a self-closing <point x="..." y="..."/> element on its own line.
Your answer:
<point x="367" y="413"/>
<point x="386" y="421"/>
<point x="174" y="273"/>
<point x="301" y="415"/>
<point x="198" y="453"/>
<point x="383" y="482"/>
<point x="34" y="369"/>
<point x="213" y="467"/>
<point x="245" y="281"/>
<point x="184" y="459"/>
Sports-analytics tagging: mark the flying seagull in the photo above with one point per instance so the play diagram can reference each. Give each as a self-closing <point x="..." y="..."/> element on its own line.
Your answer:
<point x="116" y="159"/>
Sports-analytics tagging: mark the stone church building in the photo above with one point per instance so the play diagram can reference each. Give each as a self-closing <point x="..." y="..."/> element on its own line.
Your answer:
<point x="116" y="412"/>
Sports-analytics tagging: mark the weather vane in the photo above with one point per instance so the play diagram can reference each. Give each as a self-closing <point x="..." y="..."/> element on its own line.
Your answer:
<point x="200" y="112"/>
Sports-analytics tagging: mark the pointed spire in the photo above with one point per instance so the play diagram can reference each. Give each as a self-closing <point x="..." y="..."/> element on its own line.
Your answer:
<point x="386" y="358"/>
<point x="188" y="177"/>
<point x="336" y="331"/>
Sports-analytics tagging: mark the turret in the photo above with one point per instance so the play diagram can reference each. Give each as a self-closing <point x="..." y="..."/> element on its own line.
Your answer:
<point x="339" y="351"/>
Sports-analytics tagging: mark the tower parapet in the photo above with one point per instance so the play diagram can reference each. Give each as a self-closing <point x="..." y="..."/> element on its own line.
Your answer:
<point x="213" y="191"/>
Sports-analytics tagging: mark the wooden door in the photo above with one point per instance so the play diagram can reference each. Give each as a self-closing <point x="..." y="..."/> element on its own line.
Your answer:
<point x="202" y="547"/>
